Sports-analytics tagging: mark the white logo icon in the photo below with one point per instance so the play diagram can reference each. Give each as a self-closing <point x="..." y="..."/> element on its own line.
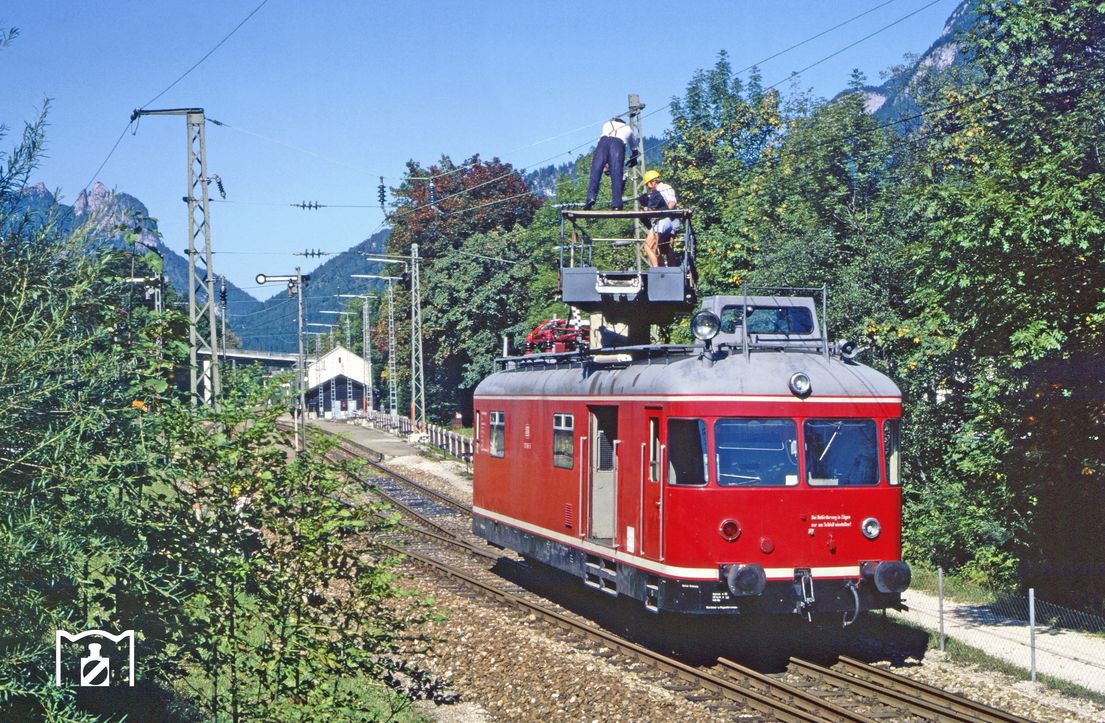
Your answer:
<point x="95" y="668"/>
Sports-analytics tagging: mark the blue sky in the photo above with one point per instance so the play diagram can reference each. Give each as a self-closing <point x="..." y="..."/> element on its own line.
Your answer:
<point x="322" y="98"/>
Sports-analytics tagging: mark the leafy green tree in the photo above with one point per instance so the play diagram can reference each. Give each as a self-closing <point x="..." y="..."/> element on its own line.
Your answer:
<point x="473" y="298"/>
<point x="253" y="587"/>
<point x="1010" y="275"/>
<point x="470" y="201"/>
<point x="821" y="210"/>
<point x="473" y="197"/>
<point x="721" y="131"/>
<point x="284" y="607"/>
<point x="77" y="367"/>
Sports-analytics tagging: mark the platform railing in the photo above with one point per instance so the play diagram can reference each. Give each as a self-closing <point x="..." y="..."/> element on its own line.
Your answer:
<point x="433" y="435"/>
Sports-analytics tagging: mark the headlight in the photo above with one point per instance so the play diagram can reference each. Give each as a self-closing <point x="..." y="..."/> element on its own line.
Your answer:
<point x="705" y="325"/>
<point x="800" y="384"/>
<point x="870" y="528"/>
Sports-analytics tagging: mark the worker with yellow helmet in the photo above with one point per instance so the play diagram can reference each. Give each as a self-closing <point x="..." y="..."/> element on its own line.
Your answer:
<point x="657" y="245"/>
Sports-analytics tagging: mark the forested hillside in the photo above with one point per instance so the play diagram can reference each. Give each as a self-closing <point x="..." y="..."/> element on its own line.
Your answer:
<point x="115" y="219"/>
<point x="272" y="325"/>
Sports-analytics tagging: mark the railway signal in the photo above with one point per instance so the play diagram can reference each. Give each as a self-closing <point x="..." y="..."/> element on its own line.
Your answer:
<point x="295" y="288"/>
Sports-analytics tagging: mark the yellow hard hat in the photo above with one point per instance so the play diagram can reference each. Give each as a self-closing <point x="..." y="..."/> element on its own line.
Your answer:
<point x="651" y="176"/>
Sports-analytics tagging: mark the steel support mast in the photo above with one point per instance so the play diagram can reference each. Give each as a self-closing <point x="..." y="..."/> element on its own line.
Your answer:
<point x="418" y="385"/>
<point x="636" y="174"/>
<point x="201" y="292"/>
<point x="299" y="412"/>
<point x="393" y="388"/>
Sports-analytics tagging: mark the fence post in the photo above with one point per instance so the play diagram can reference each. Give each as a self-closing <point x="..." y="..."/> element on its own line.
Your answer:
<point x="940" y="597"/>
<point x="1032" y="628"/>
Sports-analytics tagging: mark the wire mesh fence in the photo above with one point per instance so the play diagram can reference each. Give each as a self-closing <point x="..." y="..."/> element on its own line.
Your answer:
<point x="1037" y="635"/>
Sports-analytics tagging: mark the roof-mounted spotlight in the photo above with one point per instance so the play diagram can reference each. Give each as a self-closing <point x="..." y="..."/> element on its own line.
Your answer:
<point x="800" y="385"/>
<point x="705" y="325"/>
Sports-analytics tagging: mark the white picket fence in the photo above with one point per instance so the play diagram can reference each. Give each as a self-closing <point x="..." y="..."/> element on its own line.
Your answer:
<point x="433" y="435"/>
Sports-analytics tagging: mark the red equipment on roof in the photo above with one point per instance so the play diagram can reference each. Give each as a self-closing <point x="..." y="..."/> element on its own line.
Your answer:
<point x="557" y="336"/>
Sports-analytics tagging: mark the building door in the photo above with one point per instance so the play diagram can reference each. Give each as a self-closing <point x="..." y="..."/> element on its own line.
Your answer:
<point x="604" y="474"/>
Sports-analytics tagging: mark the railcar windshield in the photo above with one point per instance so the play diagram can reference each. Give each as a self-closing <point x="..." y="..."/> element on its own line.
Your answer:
<point x="842" y="452"/>
<point x="756" y="452"/>
<point x="768" y="319"/>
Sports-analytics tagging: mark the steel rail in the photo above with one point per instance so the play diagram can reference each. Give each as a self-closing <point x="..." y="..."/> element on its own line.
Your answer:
<point x="406" y="508"/>
<point x="906" y="701"/>
<point x="366" y="454"/>
<point x="439" y="496"/>
<point x="907" y="686"/>
<point x="789" y="694"/>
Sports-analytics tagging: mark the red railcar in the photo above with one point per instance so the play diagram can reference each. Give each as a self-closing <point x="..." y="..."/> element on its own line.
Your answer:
<point x="753" y="473"/>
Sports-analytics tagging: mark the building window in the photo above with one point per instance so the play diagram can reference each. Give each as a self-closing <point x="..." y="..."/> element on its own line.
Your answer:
<point x="563" y="442"/>
<point x="687" y="457"/>
<point x="842" y="452"/>
<point x="891" y="444"/>
<point x="498" y="434"/>
<point x="756" y="452"/>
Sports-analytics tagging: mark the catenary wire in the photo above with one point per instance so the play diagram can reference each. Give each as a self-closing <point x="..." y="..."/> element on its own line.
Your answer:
<point x="855" y="43"/>
<point x="207" y="54"/>
<point x="166" y="90"/>
<point x="462" y="167"/>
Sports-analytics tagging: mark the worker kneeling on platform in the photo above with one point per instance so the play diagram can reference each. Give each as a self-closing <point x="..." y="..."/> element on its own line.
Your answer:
<point x="658" y="242"/>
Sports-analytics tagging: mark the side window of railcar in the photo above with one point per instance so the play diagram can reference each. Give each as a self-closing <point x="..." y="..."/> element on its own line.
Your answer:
<point x="841" y="452"/>
<point x="687" y="456"/>
<point x="756" y="452"/>
<point x="891" y="444"/>
<point x="497" y="436"/>
<point x="563" y="441"/>
<point x="654" y="449"/>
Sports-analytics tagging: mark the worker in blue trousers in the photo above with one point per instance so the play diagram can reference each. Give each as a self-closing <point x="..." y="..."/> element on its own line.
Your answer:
<point x="610" y="156"/>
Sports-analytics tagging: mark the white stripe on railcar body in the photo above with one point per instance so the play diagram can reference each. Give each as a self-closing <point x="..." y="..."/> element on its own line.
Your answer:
<point x="684" y="573"/>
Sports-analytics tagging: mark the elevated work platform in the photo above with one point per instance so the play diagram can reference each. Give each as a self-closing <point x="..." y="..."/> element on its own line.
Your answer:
<point x="603" y="270"/>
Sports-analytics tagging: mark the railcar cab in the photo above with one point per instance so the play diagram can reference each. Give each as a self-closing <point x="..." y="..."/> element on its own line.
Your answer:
<point x="753" y="472"/>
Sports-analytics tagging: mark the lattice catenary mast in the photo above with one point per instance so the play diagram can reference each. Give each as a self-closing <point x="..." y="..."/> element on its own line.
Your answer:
<point x="201" y="292"/>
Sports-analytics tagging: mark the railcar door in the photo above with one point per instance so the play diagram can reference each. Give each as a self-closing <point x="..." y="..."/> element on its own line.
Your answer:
<point x="604" y="474"/>
<point x="652" y="468"/>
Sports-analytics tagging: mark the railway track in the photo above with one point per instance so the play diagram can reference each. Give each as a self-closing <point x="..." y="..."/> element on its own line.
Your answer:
<point x="848" y="691"/>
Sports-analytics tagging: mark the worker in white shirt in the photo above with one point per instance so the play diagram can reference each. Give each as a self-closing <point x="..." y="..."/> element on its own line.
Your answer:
<point x="657" y="245"/>
<point x="610" y="156"/>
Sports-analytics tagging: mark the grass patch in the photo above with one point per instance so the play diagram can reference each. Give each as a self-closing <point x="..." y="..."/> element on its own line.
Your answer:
<point x="955" y="588"/>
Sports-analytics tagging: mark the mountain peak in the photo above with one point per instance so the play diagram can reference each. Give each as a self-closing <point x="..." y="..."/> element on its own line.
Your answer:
<point x="93" y="199"/>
